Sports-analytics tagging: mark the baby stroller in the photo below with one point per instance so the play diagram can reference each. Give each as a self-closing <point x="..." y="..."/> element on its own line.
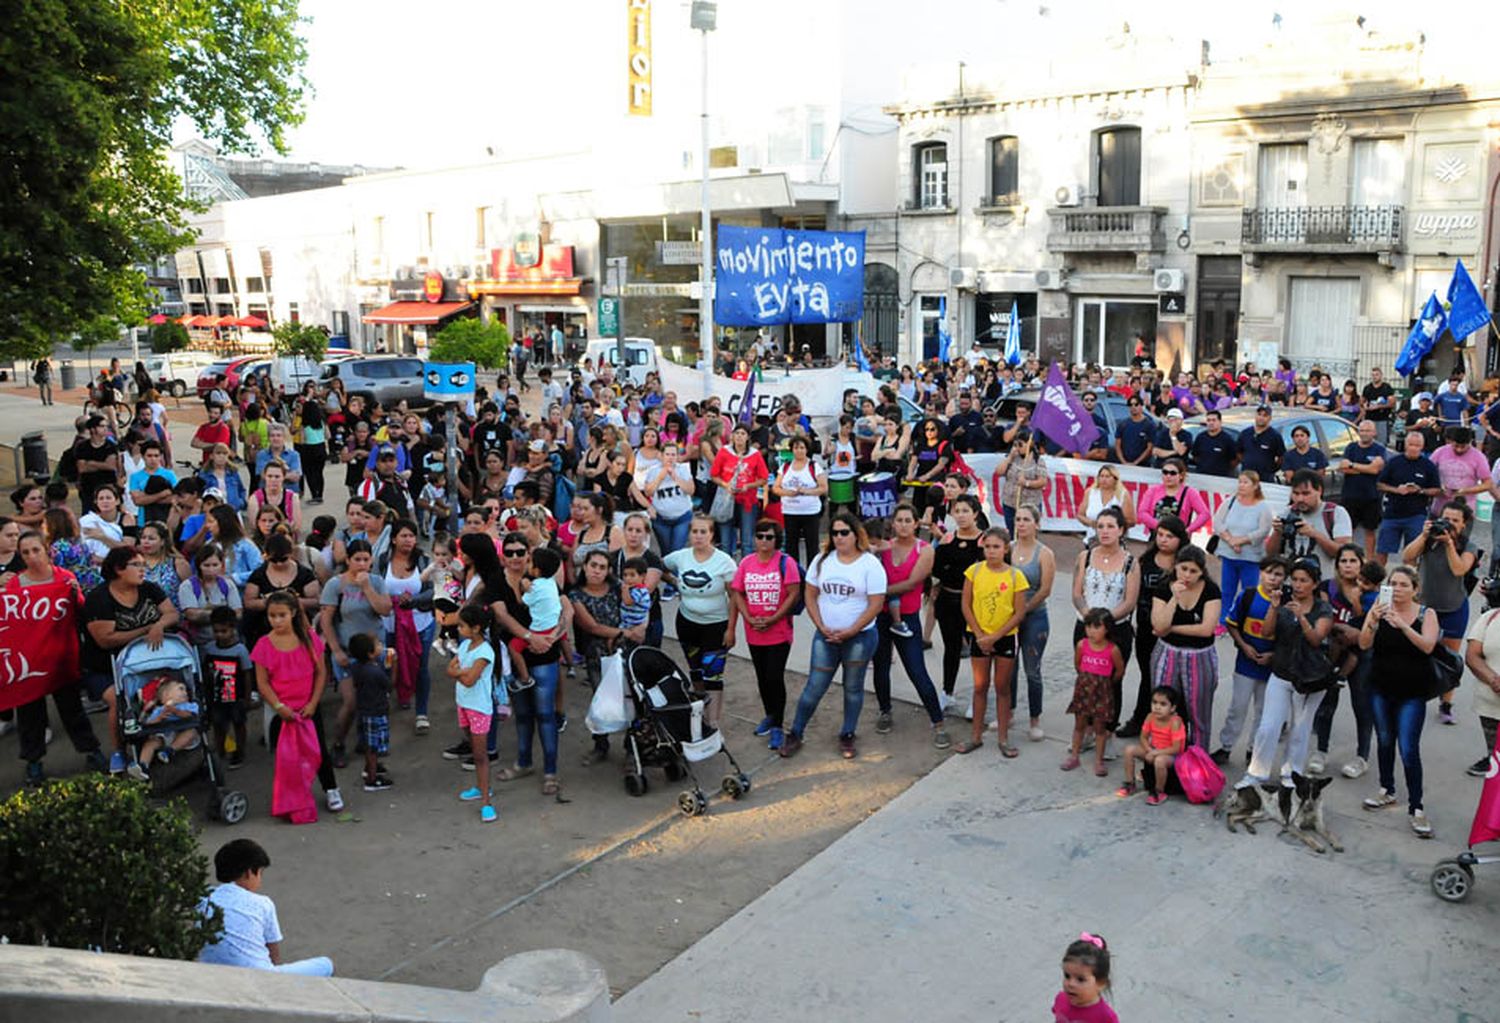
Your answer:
<point x="138" y="670"/>
<point x="668" y="731"/>
<point x="1453" y="879"/>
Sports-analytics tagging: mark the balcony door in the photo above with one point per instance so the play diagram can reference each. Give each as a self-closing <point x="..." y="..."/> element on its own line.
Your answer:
<point x="1320" y="323"/>
<point x="1282" y="179"/>
<point x="1117" y="167"/>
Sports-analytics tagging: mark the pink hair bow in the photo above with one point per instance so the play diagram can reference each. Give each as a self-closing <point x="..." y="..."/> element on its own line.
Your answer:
<point x="1092" y="939"/>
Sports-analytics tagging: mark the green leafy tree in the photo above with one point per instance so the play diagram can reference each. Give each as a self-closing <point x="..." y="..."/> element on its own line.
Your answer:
<point x="471" y="340"/>
<point x="135" y="889"/>
<point x="169" y="337"/>
<point x="299" y="339"/>
<point x="88" y="102"/>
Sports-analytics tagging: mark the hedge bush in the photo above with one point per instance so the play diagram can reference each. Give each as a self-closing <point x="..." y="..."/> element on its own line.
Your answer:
<point x="89" y="862"/>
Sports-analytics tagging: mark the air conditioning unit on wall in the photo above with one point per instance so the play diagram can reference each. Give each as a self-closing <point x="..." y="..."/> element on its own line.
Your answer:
<point x="1049" y="280"/>
<point x="1168" y="280"/>
<point x="1068" y="195"/>
<point x="964" y="278"/>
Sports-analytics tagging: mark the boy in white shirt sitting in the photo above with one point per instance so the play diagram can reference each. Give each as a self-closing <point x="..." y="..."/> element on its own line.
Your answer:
<point x="252" y="935"/>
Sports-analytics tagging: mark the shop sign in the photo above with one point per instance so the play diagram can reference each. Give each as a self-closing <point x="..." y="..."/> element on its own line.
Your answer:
<point x="1445" y="225"/>
<point x="432" y="286"/>
<point x="683" y="290"/>
<point x="1171" y="303"/>
<point x="554" y="263"/>
<point x="609" y="317"/>
<point x="528" y="249"/>
<point x="679" y="253"/>
<point x="638" y="53"/>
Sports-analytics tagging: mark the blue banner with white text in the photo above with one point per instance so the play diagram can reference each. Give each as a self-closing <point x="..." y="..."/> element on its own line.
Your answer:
<point x="765" y="276"/>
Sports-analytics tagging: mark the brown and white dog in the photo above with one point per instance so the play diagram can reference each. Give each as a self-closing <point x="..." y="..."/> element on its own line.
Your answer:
<point x="1298" y="809"/>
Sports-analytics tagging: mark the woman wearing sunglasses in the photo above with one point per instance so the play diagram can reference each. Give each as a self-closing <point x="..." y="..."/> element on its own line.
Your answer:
<point x="845" y="591"/>
<point x="765" y="588"/>
<point x="1173" y="496"/>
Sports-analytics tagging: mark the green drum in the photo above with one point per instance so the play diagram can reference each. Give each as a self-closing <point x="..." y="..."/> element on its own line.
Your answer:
<point x="841" y="491"/>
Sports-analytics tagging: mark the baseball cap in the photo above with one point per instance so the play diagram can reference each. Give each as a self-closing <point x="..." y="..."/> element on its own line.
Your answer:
<point x="537" y="445"/>
<point x="1424" y="396"/>
<point x="1174" y="413"/>
<point x="1263" y="407"/>
<point x="386" y="451"/>
<point x="215" y="493"/>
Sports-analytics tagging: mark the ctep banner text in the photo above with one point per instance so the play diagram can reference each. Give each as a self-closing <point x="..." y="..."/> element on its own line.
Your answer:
<point x="821" y="391"/>
<point x="1068" y="478"/>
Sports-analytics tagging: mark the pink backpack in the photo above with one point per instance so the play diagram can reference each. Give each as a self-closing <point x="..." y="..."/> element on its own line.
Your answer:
<point x="1201" y="779"/>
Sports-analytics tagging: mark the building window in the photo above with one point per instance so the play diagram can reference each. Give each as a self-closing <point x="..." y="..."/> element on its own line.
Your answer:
<point x="1281" y="176"/>
<point x="255" y="284"/>
<point x="930" y="306"/>
<point x="427" y="231"/>
<point x="480" y="216"/>
<point x="221" y="286"/>
<point x="293" y="313"/>
<point x="1117" y="167"/>
<point x="341" y="324"/>
<point x="992" y="320"/>
<point x="1108" y="328"/>
<point x="785" y="145"/>
<point x="816" y="140"/>
<point x="1005" y="188"/>
<point x="377" y="236"/>
<point x="931" y="161"/>
<point x="1377" y="172"/>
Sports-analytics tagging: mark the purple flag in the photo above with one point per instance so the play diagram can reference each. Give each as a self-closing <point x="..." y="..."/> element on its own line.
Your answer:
<point x="747" y="402"/>
<point x="1061" y="415"/>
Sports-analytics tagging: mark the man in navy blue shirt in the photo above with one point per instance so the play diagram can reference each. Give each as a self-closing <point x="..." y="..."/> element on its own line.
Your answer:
<point x="1261" y="446"/>
<point x="1362" y="465"/>
<point x="1409" y="482"/>
<point x="965" y="427"/>
<point x="1214" y="451"/>
<point x="1302" y="455"/>
<point x="1134" y="437"/>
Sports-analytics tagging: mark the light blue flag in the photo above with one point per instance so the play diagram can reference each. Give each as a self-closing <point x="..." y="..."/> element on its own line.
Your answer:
<point x="859" y="356"/>
<point x="1423" y="336"/>
<point x="1466" y="309"/>
<point x="945" y="337"/>
<point x="1013" y="337"/>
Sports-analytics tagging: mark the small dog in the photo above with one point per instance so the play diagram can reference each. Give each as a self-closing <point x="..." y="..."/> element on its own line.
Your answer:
<point x="1243" y="806"/>
<point x="1304" y="820"/>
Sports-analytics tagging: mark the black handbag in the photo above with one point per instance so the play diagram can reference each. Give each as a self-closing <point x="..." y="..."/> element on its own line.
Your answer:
<point x="1447" y="669"/>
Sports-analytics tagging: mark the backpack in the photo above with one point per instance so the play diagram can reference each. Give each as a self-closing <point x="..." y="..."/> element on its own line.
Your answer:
<point x="1200" y="777"/>
<point x="800" y="603"/>
<point x="197" y="585"/>
<point x="563" y="490"/>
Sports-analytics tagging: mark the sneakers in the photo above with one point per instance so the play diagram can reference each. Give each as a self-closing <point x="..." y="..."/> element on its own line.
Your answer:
<point x="1219" y="756"/>
<point x="776" y="740"/>
<point x="900" y="628"/>
<point x="471" y="794"/>
<point x="765" y="726"/>
<point x="335" y="800"/>
<point x="1420" y="825"/>
<point x="468" y="762"/>
<point x="1317" y="762"/>
<point x="457" y="751"/>
<point x="137" y="771"/>
<point x="1035" y="733"/>
<point x="846" y="747"/>
<point x="1088" y="743"/>
<point x="883" y="723"/>
<point x="1445" y="714"/>
<point x="117" y="762"/>
<point x="379" y="784"/>
<point x="237" y="760"/>
<point x="1156" y="799"/>
<point x="1479" y="768"/>
<point x="945" y="702"/>
<point x="1125" y="791"/>
<point x="487" y="814"/>
<point x="562" y="722"/>
<point x="940" y="738"/>
<point x="36" y="777"/>
<point x="421" y="724"/>
<point x="1355" y="768"/>
<point x="791" y="744"/>
<point x="1380" y="800"/>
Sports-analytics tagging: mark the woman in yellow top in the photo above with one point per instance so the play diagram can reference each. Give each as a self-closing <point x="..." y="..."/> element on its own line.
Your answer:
<point x="994" y="614"/>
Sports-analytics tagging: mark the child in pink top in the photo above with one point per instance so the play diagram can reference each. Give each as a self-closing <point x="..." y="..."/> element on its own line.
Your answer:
<point x="1099" y="663"/>
<point x="764" y="589"/>
<point x="1085" y="979"/>
<point x="290" y="673"/>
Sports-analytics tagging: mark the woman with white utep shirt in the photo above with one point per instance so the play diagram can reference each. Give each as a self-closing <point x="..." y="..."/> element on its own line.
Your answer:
<point x="845" y="591"/>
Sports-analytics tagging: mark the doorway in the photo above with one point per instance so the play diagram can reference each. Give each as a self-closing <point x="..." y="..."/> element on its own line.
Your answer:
<point x="1217" y="322"/>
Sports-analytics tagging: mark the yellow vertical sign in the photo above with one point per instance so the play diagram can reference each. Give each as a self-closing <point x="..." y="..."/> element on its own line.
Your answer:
<point x="639" y="47"/>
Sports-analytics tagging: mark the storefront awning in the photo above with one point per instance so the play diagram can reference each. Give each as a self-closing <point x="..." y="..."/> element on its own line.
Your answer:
<point x="416" y="312"/>
<point x="566" y="286"/>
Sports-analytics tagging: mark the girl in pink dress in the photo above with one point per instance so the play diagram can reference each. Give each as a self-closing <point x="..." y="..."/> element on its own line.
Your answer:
<point x="1085" y="979"/>
<point x="290" y="673"/>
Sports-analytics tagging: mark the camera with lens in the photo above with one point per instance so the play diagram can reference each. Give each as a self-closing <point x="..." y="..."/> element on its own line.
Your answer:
<point x="1286" y="593"/>
<point x="1489" y="588"/>
<point x="1437" y="527"/>
<point x="1290" y="523"/>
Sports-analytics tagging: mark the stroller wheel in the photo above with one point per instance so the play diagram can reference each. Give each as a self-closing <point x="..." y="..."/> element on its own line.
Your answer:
<point x="233" y="807"/>
<point x="1452" y="881"/>
<point x="692" y="804"/>
<point x="636" y="784"/>
<point x="735" y="785"/>
<point x="673" y="770"/>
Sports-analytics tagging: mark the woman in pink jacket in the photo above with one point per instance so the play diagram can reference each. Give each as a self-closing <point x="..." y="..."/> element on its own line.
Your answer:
<point x="1172" y="496"/>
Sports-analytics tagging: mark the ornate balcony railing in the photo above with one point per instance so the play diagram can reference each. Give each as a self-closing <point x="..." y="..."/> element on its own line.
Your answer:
<point x="1322" y="229"/>
<point x="1106" y="229"/>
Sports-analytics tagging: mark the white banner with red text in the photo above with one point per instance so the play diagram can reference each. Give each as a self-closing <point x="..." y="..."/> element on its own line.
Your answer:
<point x="821" y="391"/>
<point x="1068" y="478"/>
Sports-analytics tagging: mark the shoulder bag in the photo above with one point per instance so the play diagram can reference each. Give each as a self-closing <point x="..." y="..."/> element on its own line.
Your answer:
<point x="1447" y="669"/>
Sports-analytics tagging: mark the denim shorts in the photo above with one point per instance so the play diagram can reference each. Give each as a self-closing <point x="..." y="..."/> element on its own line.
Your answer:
<point x="1453" y="624"/>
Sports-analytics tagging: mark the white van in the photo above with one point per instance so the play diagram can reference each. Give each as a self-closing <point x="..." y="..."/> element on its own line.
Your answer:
<point x="640" y="357"/>
<point x="290" y="372"/>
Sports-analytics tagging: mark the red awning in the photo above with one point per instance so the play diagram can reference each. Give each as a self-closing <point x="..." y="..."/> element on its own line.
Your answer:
<point x="157" y="319"/>
<point x="188" y="321"/>
<point x="253" y="322"/>
<point x="416" y="312"/>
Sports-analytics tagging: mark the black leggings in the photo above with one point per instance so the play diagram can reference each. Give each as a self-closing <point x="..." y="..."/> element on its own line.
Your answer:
<point x="313" y="458"/>
<point x="949" y="608"/>
<point x="325" y="763"/>
<point x="1145" y="642"/>
<point x="31" y="722"/>
<point x="770" y="675"/>
<point x="1122" y="635"/>
<point x="803" y="530"/>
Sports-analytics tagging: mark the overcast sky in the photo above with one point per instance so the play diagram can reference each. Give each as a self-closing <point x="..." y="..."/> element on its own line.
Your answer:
<point x="435" y="83"/>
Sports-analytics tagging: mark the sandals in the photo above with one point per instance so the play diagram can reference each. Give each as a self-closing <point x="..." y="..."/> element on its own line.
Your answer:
<point x="1100" y="771"/>
<point x="968" y="746"/>
<point x="512" y="773"/>
<point x="1070" y="763"/>
<point x="549" y="784"/>
<point x="1008" y="751"/>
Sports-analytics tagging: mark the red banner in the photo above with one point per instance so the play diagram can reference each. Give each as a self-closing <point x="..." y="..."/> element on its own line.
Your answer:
<point x="38" y="638"/>
<point x="1487" y="819"/>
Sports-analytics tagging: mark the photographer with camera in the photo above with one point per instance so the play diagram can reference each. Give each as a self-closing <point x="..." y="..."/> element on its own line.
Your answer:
<point x="1408" y="481"/>
<point x="1310" y="527"/>
<point x="1443" y="555"/>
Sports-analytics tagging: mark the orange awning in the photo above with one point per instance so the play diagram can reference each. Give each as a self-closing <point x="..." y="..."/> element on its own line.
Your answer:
<point x="416" y="312"/>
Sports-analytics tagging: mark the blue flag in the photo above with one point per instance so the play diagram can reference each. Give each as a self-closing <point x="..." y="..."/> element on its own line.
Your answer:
<point x="1013" y="337"/>
<point x="1423" y="336"/>
<point x="1061" y="416"/>
<point x="1466" y="309"/>
<point x="859" y="356"/>
<point x="945" y="339"/>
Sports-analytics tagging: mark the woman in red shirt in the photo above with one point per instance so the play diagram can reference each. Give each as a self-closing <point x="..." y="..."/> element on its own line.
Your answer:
<point x="740" y="468"/>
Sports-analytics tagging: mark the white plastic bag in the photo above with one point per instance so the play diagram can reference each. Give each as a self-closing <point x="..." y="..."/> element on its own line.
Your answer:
<point x="609" y="711"/>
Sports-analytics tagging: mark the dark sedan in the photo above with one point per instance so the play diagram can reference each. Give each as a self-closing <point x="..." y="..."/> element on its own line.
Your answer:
<point x="1330" y="434"/>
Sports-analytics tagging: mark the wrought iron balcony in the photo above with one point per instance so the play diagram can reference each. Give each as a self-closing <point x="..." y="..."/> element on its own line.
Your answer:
<point x="1332" y="229"/>
<point x="1106" y="229"/>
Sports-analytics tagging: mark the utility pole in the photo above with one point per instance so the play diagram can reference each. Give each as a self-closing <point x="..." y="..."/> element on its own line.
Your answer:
<point x="705" y="18"/>
<point x="618" y="265"/>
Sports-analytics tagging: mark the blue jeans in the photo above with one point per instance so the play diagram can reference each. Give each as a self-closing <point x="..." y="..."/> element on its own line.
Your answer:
<point x="742" y="528"/>
<point x="1033" y="635"/>
<point x="853" y="655"/>
<point x="672" y="534"/>
<point x="1397" y="533"/>
<point x="424" y="673"/>
<point x="910" y="650"/>
<point x="536" y="711"/>
<point x="1236" y="576"/>
<point x="1398" y="722"/>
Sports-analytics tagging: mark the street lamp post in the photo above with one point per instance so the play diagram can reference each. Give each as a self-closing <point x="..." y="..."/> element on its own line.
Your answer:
<point x="705" y="18"/>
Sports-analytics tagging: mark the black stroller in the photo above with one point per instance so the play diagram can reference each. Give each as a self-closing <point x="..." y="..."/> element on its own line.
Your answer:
<point x="668" y="731"/>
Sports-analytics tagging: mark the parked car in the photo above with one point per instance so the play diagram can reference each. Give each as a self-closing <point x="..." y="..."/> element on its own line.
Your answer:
<point x="217" y="368"/>
<point x="1329" y="433"/>
<point x="1111" y="406"/>
<point x="169" y="377"/>
<point x="640" y="357"/>
<point x="386" y="378"/>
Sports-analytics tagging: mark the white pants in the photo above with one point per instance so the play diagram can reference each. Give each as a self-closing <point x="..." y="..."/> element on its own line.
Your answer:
<point x="1283" y="704"/>
<point x="317" y="966"/>
<point x="1247" y="692"/>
